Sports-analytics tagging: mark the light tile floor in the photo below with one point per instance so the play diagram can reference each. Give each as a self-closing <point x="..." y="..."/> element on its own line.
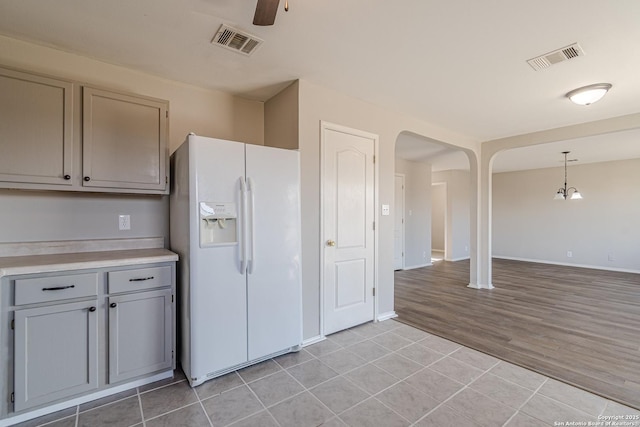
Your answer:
<point x="383" y="374"/>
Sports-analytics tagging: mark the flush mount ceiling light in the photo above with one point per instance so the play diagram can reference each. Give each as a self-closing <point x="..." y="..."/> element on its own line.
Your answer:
<point x="587" y="95"/>
<point x="563" y="192"/>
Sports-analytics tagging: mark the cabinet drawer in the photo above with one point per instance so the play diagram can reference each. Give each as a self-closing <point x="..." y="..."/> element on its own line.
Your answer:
<point x="141" y="278"/>
<point x="54" y="288"/>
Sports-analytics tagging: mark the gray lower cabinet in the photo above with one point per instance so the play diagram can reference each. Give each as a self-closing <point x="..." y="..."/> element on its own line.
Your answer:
<point x="56" y="353"/>
<point x="140" y="334"/>
<point x="71" y="333"/>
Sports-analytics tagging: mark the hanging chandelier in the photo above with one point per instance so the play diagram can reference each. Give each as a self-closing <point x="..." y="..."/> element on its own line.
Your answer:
<point x="563" y="192"/>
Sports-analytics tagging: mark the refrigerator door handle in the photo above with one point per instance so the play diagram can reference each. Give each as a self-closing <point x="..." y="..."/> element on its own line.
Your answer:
<point x="251" y="263"/>
<point x="243" y="228"/>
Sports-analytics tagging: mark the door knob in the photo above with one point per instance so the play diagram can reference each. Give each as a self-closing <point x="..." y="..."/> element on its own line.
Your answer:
<point x="331" y="243"/>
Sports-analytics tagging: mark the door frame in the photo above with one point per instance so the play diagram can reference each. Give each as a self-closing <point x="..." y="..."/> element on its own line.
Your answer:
<point x="324" y="127"/>
<point x="395" y="210"/>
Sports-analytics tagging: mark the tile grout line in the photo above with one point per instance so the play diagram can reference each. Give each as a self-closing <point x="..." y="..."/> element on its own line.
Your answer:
<point x="206" y="415"/>
<point x="465" y="386"/>
<point x="140" y="406"/>
<point x="527" y="401"/>
<point x="304" y="389"/>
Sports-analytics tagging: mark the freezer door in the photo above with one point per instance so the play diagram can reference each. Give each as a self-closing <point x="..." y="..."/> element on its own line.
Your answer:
<point x="217" y="284"/>
<point x="273" y="278"/>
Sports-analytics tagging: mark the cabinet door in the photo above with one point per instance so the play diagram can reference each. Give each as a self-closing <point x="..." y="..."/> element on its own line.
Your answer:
<point x="55" y="353"/>
<point x="124" y="141"/>
<point x="35" y="130"/>
<point x="140" y="338"/>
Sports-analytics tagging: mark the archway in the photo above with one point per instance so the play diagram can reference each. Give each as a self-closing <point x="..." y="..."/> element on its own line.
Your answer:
<point x="423" y="162"/>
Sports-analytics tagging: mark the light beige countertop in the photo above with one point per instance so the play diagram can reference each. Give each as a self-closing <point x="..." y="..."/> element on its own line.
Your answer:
<point x="31" y="264"/>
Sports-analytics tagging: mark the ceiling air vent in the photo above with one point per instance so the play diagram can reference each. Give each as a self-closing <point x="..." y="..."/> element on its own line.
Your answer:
<point x="551" y="58"/>
<point x="236" y="40"/>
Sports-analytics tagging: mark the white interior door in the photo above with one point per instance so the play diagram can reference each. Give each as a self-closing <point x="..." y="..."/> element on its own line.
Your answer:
<point x="348" y="227"/>
<point x="398" y="223"/>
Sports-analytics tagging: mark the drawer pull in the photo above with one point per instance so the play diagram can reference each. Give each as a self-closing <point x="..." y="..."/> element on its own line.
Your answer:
<point x="92" y="309"/>
<point x="141" y="279"/>
<point x="58" y="288"/>
<point x="113" y="305"/>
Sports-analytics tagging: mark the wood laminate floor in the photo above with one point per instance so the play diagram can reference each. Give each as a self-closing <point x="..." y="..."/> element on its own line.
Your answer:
<point x="580" y="326"/>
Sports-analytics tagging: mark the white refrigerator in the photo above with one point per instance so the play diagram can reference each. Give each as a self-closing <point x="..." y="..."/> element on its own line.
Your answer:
<point x="235" y="223"/>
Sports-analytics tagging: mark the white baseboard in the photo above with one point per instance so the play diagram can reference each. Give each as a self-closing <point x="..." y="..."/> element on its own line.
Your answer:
<point x="437" y="250"/>
<point x="480" y="286"/>
<point x="386" y="316"/>
<point x="458" y="259"/>
<point x="313" y="340"/>
<point x="542" y="261"/>
<point x="411" y="267"/>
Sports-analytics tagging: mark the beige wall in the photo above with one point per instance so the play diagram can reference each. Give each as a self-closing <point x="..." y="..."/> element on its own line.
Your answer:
<point x="281" y="119"/>
<point x="438" y="215"/>
<point x="41" y="216"/>
<point x="458" y="212"/>
<point x="528" y="224"/>
<point x="417" y="215"/>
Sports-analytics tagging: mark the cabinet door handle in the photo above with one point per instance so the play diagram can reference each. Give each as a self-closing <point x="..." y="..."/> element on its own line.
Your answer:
<point x="113" y="305"/>
<point x="92" y="309"/>
<point x="87" y="178"/>
<point x="141" y="279"/>
<point x="67" y="177"/>
<point x="59" y="288"/>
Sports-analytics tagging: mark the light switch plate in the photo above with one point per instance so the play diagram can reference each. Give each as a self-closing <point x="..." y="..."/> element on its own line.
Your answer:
<point x="124" y="222"/>
<point x="385" y="210"/>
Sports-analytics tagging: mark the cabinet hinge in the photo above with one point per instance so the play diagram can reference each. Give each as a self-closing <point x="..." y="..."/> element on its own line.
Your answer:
<point x="374" y="159"/>
<point x="374" y="292"/>
<point x="13" y="397"/>
<point x="171" y="354"/>
<point x="374" y="226"/>
<point x="171" y="298"/>
<point x="166" y="179"/>
<point x="13" y="323"/>
<point x="166" y="114"/>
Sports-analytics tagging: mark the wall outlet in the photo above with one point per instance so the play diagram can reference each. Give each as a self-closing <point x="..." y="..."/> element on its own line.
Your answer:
<point x="424" y="255"/>
<point x="124" y="222"/>
<point x="569" y="254"/>
<point x="385" y="210"/>
<point x="611" y="257"/>
<point x="466" y="248"/>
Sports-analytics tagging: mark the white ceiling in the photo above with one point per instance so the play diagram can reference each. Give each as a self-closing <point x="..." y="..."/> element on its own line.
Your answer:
<point x="460" y="64"/>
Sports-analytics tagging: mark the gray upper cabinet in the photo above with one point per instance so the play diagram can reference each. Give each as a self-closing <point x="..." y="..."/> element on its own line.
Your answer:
<point x="36" y="129"/>
<point x="63" y="135"/>
<point x="123" y="140"/>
